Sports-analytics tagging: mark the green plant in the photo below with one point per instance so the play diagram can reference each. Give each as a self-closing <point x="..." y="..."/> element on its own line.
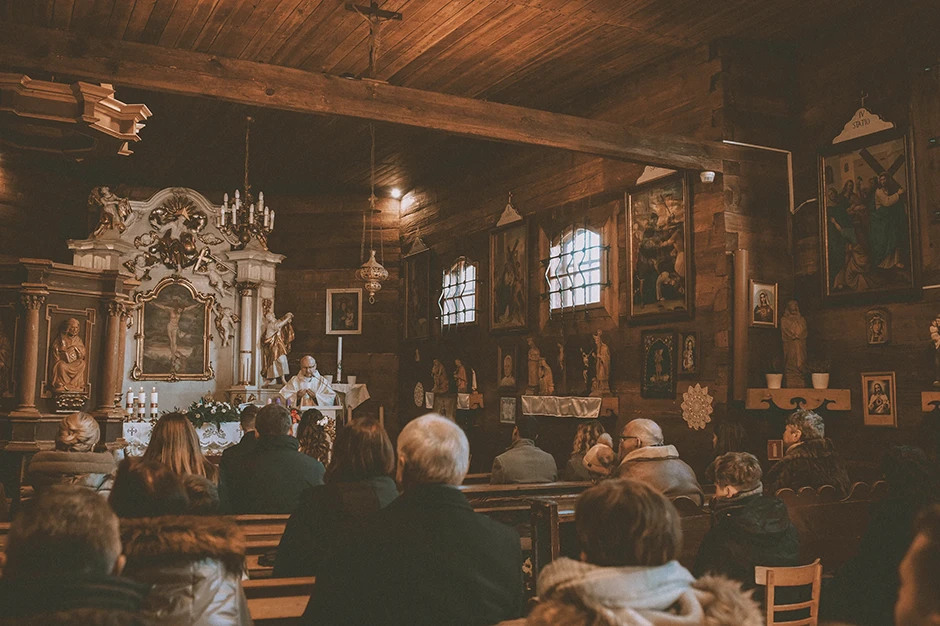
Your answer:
<point x="205" y="411"/>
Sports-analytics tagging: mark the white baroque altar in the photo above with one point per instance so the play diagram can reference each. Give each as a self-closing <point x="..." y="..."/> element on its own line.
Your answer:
<point x="212" y="439"/>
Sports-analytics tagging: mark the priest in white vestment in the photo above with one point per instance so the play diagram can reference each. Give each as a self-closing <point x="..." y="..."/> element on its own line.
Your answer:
<point x="308" y="388"/>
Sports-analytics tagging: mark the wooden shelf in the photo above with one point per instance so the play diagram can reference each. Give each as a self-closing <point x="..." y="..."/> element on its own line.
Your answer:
<point x="929" y="401"/>
<point x="791" y="399"/>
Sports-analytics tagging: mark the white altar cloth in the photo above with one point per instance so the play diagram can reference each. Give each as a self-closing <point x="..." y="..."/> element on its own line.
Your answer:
<point x="352" y="395"/>
<point x="562" y="406"/>
<point x="212" y="439"/>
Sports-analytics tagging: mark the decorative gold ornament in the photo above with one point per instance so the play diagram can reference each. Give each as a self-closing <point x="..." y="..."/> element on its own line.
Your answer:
<point x="697" y="406"/>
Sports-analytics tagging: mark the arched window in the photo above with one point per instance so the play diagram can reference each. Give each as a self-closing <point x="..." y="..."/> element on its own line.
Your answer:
<point x="574" y="271"/>
<point x="458" y="301"/>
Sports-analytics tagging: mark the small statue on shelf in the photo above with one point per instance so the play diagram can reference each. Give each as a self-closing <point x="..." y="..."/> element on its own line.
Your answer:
<point x="793" y="331"/>
<point x="935" y="340"/>
<point x="67" y="355"/>
<point x="113" y="211"/>
<point x="460" y="377"/>
<point x="534" y="361"/>
<point x="439" y="377"/>
<point x="546" y="379"/>
<point x="601" y="384"/>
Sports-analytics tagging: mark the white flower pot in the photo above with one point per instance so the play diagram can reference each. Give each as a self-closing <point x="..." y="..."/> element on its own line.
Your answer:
<point x="820" y="381"/>
<point x="774" y="381"/>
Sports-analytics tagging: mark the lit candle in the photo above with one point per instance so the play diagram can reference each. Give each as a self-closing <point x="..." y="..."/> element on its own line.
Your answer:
<point x="222" y="211"/>
<point x="234" y="215"/>
<point x="142" y="402"/>
<point x="251" y="213"/>
<point x="271" y="226"/>
<point x="260" y="200"/>
<point x="153" y="401"/>
<point x="129" y="401"/>
<point x="267" y="216"/>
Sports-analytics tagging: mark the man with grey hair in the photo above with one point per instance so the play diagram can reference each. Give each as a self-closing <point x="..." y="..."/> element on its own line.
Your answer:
<point x="810" y="459"/>
<point x="62" y="563"/>
<point x="644" y="456"/>
<point x="427" y="558"/>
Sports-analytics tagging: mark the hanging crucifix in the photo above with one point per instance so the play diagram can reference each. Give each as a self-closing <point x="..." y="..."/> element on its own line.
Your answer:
<point x="376" y="17"/>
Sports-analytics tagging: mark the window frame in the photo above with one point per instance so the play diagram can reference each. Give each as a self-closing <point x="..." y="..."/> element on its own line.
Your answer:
<point x="458" y="267"/>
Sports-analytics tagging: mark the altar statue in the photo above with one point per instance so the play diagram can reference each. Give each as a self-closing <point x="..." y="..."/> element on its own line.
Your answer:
<point x="308" y="387"/>
<point x="534" y="358"/>
<point x="225" y="320"/>
<point x="793" y="331"/>
<point x="113" y="210"/>
<point x="601" y="383"/>
<point x="276" y="337"/>
<point x="460" y="377"/>
<point x="935" y="339"/>
<point x="439" y="377"/>
<point x="546" y="379"/>
<point x="67" y="356"/>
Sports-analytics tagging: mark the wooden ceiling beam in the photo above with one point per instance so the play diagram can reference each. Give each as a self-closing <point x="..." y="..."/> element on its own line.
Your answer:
<point x="245" y="82"/>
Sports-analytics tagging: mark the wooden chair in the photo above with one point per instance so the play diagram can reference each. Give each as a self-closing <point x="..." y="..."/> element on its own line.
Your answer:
<point x="800" y="576"/>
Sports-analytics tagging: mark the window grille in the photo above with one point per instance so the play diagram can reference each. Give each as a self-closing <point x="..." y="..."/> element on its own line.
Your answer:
<point x="576" y="269"/>
<point x="458" y="301"/>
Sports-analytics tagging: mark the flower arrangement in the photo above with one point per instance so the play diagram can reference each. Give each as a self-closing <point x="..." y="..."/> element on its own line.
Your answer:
<point x="208" y="411"/>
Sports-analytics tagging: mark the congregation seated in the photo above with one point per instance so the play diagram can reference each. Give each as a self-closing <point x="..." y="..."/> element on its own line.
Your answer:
<point x="524" y="462"/>
<point x="644" y="456"/>
<point x="748" y="527"/>
<point x="601" y="460"/>
<point x="74" y="460"/>
<point x="810" y="459"/>
<point x="194" y="563"/>
<point x="584" y="440"/>
<point x="271" y="477"/>
<point x="629" y="537"/>
<point x="358" y="483"/>
<point x="63" y="563"/>
<point x="313" y="436"/>
<point x="232" y="456"/>
<point x="426" y="558"/>
<point x="865" y="589"/>
<point x="918" y="601"/>
<point x="175" y="443"/>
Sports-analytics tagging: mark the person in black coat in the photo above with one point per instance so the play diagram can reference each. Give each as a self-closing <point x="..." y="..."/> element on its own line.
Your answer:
<point x="271" y="478"/>
<point x="810" y="459"/>
<point x="358" y="484"/>
<point x="233" y="456"/>
<point x="748" y="528"/>
<point x="865" y="589"/>
<point x="427" y="558"/>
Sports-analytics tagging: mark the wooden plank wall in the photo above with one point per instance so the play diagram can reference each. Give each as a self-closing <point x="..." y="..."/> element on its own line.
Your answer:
<point x="553" y="189"/>
<point x="42" y="205"/>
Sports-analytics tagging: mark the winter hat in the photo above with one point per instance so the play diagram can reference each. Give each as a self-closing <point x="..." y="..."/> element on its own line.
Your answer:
<point x="600" y="459"/>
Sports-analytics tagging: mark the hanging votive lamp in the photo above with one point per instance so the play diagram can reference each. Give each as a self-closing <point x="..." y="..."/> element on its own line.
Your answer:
<point x="372" y="273"/>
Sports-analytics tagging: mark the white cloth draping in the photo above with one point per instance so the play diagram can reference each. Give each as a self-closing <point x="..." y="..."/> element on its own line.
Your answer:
<point x="352" y="395"/>
<point x="212" y="439"/>
<point x="562" y="406"/>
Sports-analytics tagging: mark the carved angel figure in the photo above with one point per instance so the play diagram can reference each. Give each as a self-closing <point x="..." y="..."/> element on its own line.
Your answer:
<point x="225" y="320"/>
<point x="113" y="210"/>
<point x="208" y="266"/>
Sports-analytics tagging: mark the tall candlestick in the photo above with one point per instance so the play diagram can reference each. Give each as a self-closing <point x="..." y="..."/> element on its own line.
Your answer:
<point x="129" y="402"/>
<point x="141" y="403"/>
<point x="154" y="409"/>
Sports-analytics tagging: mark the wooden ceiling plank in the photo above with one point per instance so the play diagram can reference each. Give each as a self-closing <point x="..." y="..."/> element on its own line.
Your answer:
<point x="299" y="24"/>
<point x="254" y="84"/>
<point x="43" y="12"/>
<point x="182" y="12"/>
<point x="157" y="22"/>
<point x="62" y="14"/>
<point x="217" y="21"/>
<point x="280" y="22"/>
<point x="444" y="47"/>
<point x="338" y="34"/>
<point x="120" y="15"/>
<point x="143" y="9"/>
<point x="100" y="17"/>
<point x="436" y="29"/>
<point x="81" y="15"/>
<point x="325" y="16"/>
<point x="195" y="24"/>
<point x="244" y="23"/>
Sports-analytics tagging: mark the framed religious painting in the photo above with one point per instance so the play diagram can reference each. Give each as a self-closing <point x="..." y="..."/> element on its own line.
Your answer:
<point x="507" y="410"/>
<point x="867" y="217"/>
<point x="344" y="311"/>
<point x="507" y="365"/>
<point x="173" y="333"/>
<point x="659" y="250"/>
<point x="418" y="294"/>
<point x="878" y="327"/>
<point x="763" y="304"/>
<point x="509" y="284"/>
<point x="658" y="367"/>
<point x="688" y="354"/>
<point x="879" y="399"/>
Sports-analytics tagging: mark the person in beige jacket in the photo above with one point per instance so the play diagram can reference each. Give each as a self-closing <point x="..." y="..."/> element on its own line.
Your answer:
<point x="644" y="456"/>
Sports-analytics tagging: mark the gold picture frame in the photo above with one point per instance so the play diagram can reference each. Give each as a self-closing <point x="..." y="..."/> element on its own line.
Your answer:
<point x="880" y="399"/>
<point x="761" y="313"/>
<point x="344" y="311"/>
<point x="173" y="333"/>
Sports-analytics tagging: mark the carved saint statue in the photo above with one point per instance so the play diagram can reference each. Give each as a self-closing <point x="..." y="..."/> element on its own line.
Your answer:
<point x="601" y="384"/>
<point x="935" y="340"/>
<point x="793" y="331"/>
<point x="225" y="320"/>
<point x="439" y="377"/>
<point x="308" y="387"/>
<point x="546" y="379"/>
<point x="534" y="361"/>
<point x="113" y="211"/>
<point x="460" y="377"/>
<point x="67" y="357"/>
<point x="276" y="337"/>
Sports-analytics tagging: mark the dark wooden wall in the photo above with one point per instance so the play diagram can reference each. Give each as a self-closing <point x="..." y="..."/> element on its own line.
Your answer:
<point x="42" y="205"/>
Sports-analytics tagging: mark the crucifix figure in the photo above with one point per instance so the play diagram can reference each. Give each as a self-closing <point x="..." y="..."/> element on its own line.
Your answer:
<point x="375" y="16"/>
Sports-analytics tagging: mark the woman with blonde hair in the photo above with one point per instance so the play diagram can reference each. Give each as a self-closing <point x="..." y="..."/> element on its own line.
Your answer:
<point x="74" y="460"/>
<point x="174" y="443"/>
<point x="585" y="439"/>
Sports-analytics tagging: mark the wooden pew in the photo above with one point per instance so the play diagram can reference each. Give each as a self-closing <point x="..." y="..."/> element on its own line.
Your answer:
<point x="278" y="600"/>
<point x="262" y="536"/>
<point x="482" y="478"/>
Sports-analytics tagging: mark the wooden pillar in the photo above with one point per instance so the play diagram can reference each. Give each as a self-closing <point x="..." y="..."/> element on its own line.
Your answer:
<point x="110" y="352"/>
<point x="29" y="363"/>
<point x="740" y="325"/>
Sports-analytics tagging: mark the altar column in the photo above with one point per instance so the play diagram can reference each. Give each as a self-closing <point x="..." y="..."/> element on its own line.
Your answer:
<point x="246" y="348"/>
<point x="110" y="355"/>
<point x="29" y="365"/>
